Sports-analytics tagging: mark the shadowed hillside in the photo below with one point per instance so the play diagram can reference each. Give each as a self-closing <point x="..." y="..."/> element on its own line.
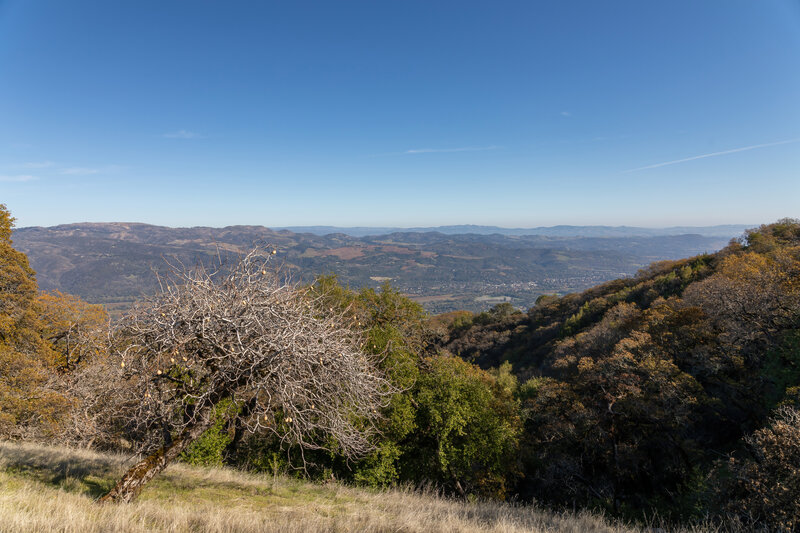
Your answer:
<point x="638" y="387"/>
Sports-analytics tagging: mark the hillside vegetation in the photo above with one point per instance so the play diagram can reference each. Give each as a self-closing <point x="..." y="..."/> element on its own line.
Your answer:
<point x="636" y="391"/>
<point x="675" y="393"/>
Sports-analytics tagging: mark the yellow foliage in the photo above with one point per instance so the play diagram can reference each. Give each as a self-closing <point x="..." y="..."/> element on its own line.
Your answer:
<point x="75" y="329"/>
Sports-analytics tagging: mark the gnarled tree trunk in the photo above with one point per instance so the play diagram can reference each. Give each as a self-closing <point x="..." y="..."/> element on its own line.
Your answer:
<point x="135" y="479"/>
<point x="238" y="426"/>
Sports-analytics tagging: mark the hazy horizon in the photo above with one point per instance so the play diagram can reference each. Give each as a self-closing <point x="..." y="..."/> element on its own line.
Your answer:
<point x="511" y="114"/>
<point x="553" y="231"/>
<point x="466" y="225"/>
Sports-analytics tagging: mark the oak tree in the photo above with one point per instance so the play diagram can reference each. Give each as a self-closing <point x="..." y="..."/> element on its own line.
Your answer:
<point x="244" y="344"/>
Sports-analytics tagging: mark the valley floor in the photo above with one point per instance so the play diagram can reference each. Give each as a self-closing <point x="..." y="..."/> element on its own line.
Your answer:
<point x="46" y="489"/>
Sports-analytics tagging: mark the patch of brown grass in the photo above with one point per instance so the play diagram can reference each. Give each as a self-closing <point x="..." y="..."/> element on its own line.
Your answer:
<point x="346" y="252"/>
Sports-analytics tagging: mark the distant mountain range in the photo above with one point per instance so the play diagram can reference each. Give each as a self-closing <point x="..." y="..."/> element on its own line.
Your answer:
<point x="116" y="263"/>
<point x="727" y="230"/>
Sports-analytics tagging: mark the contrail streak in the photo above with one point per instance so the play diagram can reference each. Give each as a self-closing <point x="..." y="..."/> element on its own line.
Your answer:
<point x="713" y="154"/>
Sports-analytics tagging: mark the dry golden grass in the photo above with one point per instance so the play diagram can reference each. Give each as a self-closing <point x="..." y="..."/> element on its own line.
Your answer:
<point x="48" y="489"/>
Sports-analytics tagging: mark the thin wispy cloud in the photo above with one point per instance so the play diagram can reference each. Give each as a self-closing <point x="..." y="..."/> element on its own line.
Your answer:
<point x="418" y="151"/>
<point x="80" y="171"/>
<point x="566" y="114"/>
<point x="182" y="134"/>
<point x="448" y="150"/>
<point x="19" y="178"/>
<point x="38" y="164"/>
<point x="85" y="171"/>
<point x="713" y="154"/>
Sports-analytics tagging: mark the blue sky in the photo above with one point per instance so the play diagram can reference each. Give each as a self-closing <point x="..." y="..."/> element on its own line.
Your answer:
<point x="402" y="113"/>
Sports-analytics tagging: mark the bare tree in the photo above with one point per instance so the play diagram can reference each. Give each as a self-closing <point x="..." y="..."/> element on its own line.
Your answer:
<point x="246" y="345"/>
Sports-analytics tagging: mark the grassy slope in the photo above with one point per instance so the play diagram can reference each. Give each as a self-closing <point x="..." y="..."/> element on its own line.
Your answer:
<point x="53" y="489"/>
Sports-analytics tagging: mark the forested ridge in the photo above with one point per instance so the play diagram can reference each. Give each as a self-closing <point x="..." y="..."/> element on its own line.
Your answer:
<point x="638" y="393"/>
<point x="672" y="392"/>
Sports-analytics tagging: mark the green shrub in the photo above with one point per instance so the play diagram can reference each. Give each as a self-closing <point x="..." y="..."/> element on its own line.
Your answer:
<point x="209" y="449"/>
